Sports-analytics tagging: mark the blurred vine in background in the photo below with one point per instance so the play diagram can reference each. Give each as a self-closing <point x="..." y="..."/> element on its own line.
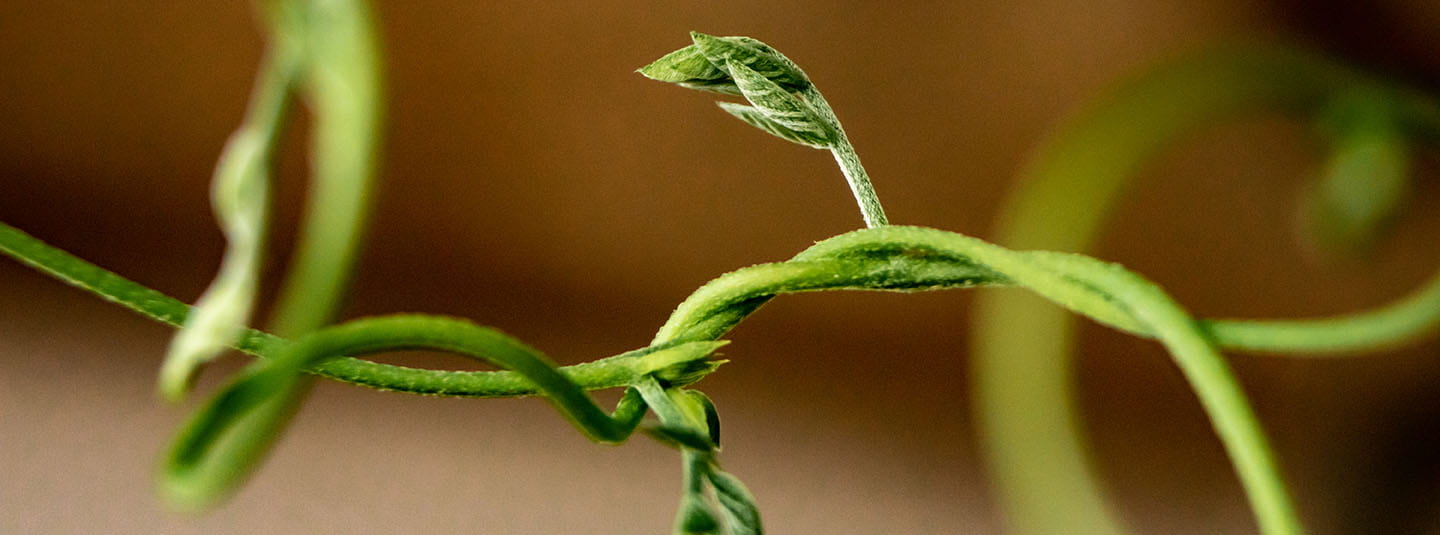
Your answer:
<point x="1024" y="385"/>
<point x="326" y="51"/>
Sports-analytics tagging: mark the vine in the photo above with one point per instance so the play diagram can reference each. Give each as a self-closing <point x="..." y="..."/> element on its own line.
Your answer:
<point x="328" y="48"/>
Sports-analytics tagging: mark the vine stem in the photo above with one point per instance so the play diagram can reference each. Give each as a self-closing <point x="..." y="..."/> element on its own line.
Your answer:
<point x="343" y="90"/>
<point x="849" y="162"/>
<point x="227" y="436"/>
<point x="616" y="371"/>
<point x="240" y="197"/>
<point x="887" y="258"/>
<point x="1025" y="399"/>
<point x="713" y="309"/>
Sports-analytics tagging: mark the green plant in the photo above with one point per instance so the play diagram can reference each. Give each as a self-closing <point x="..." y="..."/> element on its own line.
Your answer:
<point x="327" y="52"/>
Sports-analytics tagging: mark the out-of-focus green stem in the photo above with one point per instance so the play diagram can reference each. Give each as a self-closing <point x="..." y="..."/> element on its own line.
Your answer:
<point x="240" y="197"/>
<point x="1023" y="378"/>
<point x="342" y="87"/>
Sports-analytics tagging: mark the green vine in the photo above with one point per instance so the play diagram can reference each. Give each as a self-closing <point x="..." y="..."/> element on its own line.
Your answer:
<point x="330" y="47"/>
<point x="1023" y="385"/>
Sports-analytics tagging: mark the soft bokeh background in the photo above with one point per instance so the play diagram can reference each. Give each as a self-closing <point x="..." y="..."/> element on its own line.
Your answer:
<point x="531" y="181"/>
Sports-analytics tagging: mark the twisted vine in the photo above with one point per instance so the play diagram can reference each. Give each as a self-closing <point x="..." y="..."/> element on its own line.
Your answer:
<point x="229" y="434"/>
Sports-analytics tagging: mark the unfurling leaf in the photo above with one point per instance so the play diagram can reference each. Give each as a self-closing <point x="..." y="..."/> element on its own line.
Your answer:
<point x="708" y="414"/>
<point x="695" y="517"/>
<point x="684" y="363"/>
<point x="1366" y="176"/>
<point x="681" y="437"/>
<point x="742" y="517"/>
<point x="682" y="66"/>
<point x="702" y="65"/>
<point x="758" y="120"/>
<point x="778" y="104"/>
<point x="754" y="54"/>
<point x="724" y="86"/>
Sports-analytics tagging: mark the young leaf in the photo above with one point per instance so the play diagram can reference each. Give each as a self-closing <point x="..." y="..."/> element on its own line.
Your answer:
<point x="695" y="517"/>
<point x="684" y="363"/>
<point x="724" y="86"/>
<point x="702" y="404"/>
<point x="1364" y="182"/>
<point x="741" y="515"/>
<point x="686" y="65"/>
<point x="681" y="437"/>
<point x="754" y="54"/>
<point x="758" y="120"/>
<point x="702" y="65"/>
<point x="777" y="104"/>
<point x="1366" y="176"/>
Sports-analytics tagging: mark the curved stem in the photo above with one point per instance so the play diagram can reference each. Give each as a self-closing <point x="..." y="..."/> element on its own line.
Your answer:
<point x="240" y="198"/>
<point x="227" y="436"/>
<point x="862" y="260"/>
<point x="1023" y="385"/>
<point x="887" y="258"/>
<point x="343" y="90"/>
<point x="849" y="162"/>
<point x="620" y="370"/>
<point x="1219" y="392"/>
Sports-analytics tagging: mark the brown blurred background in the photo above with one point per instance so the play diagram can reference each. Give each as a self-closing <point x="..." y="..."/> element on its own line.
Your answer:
<point x="531" y="181"/>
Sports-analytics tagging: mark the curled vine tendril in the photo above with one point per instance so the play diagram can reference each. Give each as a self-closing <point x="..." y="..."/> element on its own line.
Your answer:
<point x="1023" y="386"/>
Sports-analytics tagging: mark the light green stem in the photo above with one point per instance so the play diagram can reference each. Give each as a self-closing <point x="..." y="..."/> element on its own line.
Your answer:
<point x="721" y="304"/>
<point x="240" y="197"/>
<point x="231" y="433"/>
<point x="617" y="371"/>
<point x="342" y="87"/>
<point x="887" y="258"/>
<point x="1023" y="384"/>
<point x="849" y="162"/>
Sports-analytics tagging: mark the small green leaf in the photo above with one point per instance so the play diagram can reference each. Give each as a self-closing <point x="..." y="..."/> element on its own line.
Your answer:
<point x="742" y="517"/>
<point x="686" y="65"/>
<point x="1364" y="182"/>
<point x="777" y="103"/>
<point x="706" y="413"/>
<point x="684" y="363"/>
<point x="701" y="65"/>
<point x="754" y="54"/>
<point x="1366" y="175"/>
<point x="680" y="437"/>
<point x="695" y="517"/>
<point x="755" y="118"/>
<point x="724" y="86"/>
